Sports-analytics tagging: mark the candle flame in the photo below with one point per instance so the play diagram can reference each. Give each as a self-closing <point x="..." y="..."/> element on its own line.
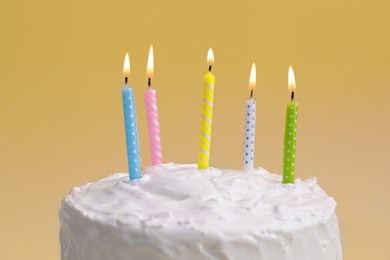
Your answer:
<point x="291" y="80"/>
<point x="126" y="66"/>
<point x="150" y="66"/>
<point x="210" y="57"/>
<point x="252" y="77"/>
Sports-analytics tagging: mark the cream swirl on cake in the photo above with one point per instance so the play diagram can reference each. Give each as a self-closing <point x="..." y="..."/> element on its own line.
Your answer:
<point x="179" y="212"/>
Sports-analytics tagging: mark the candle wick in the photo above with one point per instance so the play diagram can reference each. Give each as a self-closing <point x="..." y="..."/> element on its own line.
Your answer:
<point x="149" y="82"/>
<point x="251" y="95"/>
<point x="292" y="96"/>
<point x="126" y="79"/>
<point x="210" y="68"/>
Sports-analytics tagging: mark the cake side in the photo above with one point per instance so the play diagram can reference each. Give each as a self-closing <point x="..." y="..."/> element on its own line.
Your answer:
<point x="178" y="212"/>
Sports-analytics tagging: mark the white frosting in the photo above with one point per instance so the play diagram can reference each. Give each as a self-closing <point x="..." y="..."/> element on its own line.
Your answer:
<point x="179" y="212"/>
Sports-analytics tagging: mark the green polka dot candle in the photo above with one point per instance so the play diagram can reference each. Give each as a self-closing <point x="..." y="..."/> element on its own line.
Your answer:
<point x="290" y="133"/>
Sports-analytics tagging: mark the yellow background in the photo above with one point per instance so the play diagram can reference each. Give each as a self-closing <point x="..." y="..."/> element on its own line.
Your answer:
<point x="61" y="115"/>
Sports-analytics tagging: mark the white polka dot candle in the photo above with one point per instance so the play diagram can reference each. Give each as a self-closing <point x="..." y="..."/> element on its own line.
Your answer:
<point x="150" y="101"/>
<point x="131" y="127"/>
<point x="250" y="124"/>
<point x="207" y="115"/>
<point x="290" y="133"/>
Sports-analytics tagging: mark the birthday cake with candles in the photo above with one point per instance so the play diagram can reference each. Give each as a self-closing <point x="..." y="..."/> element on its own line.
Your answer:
<point x="176" y="211"/>
<point x="196" y="212"/>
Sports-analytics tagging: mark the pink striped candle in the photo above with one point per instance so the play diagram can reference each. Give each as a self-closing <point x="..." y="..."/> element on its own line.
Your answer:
<point x="152" y="115"/>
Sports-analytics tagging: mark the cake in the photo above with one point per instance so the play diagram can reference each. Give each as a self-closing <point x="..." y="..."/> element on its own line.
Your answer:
<point x="176" y="211"/>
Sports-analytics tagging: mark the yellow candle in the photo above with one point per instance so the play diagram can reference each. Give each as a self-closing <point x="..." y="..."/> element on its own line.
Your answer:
<point x="207" y="115"/>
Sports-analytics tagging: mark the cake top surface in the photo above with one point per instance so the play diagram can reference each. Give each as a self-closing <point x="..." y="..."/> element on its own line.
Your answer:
<point x="179" y="197"/>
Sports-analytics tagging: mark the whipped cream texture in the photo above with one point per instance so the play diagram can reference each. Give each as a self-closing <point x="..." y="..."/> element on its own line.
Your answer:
<point x="176" y="211"/>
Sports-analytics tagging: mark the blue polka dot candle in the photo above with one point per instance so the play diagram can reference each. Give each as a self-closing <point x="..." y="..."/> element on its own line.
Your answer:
<point x="290" y="133"/>
<point x="250" y="124"/>
<point x="131" y="127"/>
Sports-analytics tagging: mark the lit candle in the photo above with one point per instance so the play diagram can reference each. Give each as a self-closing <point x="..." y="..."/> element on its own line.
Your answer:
<point x="290" y="133"/>
<point x="250" y="124"/>
<point x="207" y="115"/>
<point x="131" y="127"/>
<point x="150" y="101"/>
